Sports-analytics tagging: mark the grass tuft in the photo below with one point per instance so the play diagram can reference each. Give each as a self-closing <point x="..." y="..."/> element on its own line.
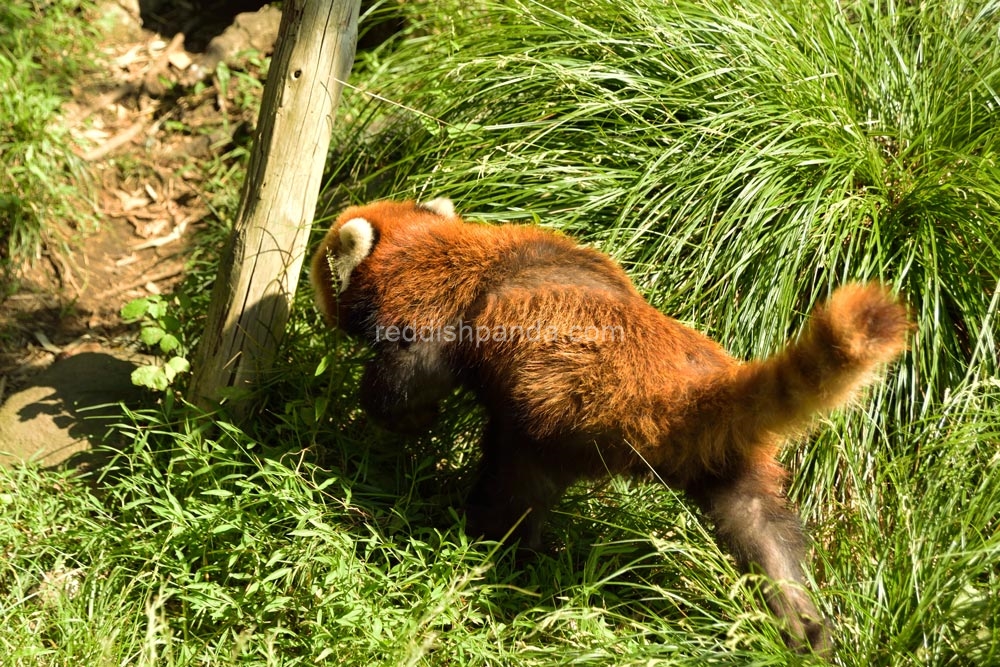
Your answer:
<point x="41" y="51"/>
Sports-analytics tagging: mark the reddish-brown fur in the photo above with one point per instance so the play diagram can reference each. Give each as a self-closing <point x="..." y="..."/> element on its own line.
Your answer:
<point x="644" y="394"/>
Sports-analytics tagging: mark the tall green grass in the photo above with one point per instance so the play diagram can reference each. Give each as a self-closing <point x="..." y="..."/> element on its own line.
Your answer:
<point x="740" y="160"/>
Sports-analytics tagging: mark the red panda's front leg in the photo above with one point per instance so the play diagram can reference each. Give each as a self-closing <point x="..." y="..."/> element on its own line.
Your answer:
<point x="402" y="386"/>
<point x="516" y="488"/>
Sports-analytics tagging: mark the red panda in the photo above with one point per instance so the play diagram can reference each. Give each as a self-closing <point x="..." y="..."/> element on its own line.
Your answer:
<point x="582" y="378"/>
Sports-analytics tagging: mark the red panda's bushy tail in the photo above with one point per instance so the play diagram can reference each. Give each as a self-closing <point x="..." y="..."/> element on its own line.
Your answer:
<point x="860" y="328"/>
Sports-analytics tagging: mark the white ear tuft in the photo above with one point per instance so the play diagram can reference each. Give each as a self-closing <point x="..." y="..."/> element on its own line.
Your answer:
<point x="356" y="238"/>
<point x="440" y="205"/>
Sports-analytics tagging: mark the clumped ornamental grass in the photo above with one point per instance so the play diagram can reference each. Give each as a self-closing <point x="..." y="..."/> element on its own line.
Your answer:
<point x="739" y="160"/>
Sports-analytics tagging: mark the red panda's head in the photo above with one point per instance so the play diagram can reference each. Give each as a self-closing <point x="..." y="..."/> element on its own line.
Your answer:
<point x="356" y="236"/>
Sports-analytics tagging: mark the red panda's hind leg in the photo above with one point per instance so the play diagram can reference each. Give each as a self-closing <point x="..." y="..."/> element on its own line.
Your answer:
<point x="753" y="521"/>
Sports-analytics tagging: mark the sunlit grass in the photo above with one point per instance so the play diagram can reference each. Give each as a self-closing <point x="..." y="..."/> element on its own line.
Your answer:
<point x="42" y="180"/>
<point x="740" y="160"/>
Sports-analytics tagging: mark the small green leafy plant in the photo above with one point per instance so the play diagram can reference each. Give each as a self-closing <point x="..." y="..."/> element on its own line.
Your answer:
<point x="159" y="331"/>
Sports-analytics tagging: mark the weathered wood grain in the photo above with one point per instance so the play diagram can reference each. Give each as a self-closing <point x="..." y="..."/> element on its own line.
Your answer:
<point x="260" y="267"/>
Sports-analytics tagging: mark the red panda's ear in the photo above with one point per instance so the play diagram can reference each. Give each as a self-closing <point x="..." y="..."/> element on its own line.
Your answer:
<point x="440" y="205"/>
<point x="356" y="240"/>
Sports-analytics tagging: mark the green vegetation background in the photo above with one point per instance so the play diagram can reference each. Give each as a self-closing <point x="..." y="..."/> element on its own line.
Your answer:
<point x="740" y="160"/>
<point x="42" y="48"/>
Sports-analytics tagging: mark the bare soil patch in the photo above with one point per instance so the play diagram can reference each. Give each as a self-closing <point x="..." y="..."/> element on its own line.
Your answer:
<point x="149" y="119"/>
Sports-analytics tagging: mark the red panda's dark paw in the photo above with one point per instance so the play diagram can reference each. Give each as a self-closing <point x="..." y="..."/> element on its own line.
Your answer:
<point x="415" y="421"/>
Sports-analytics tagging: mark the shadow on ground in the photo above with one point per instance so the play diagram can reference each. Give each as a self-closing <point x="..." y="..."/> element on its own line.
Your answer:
<point x="68" y="410"/>
<point x="199" y="21"/>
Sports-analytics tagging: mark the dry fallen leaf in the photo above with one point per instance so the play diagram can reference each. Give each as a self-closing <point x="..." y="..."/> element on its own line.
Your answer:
<point x="131" y="202"/>
<point x="180" y="59"/>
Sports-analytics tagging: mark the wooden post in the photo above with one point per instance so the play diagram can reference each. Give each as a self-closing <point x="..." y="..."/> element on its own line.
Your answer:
<point x="260" y="267"/>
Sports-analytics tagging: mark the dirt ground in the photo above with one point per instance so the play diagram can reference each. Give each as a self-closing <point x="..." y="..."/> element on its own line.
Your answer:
<point x="146" y="119"/>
